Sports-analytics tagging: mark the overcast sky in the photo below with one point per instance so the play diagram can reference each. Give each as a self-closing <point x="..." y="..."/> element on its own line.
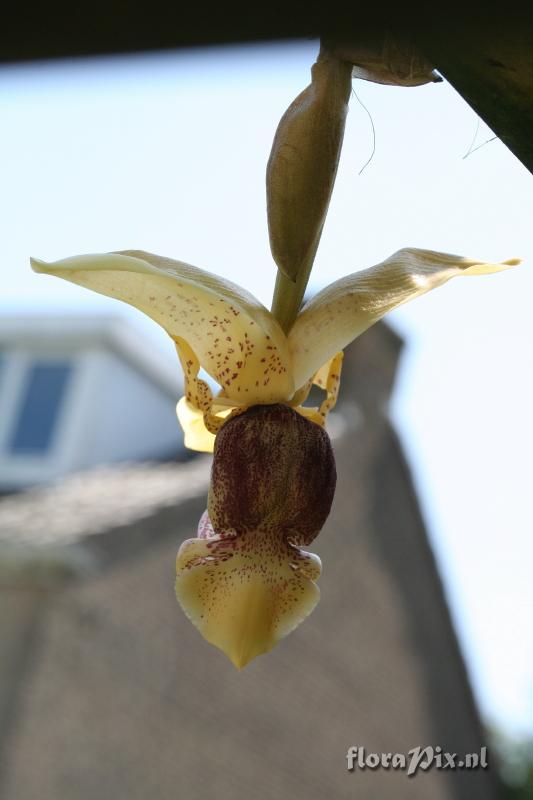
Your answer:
<point x="167" y="153"/>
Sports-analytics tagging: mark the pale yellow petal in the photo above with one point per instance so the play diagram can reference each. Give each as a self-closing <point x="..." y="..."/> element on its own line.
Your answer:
<point x="320" y="378"/>
<point x="197" y="391"/>
<point x="329" y="378"/>
<point x="237" y="341"/>
<point x="242" y="599"/>
<point x="191" y="419"/>
<point x="326" y="378"/>
<point x="346" y="308"/>
<point x="328" y="374"/>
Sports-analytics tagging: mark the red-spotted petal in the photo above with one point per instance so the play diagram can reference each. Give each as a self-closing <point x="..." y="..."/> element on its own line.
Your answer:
<point x="236" y="340"/>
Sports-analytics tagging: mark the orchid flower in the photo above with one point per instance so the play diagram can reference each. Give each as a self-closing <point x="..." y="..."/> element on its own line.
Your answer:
<point x="244" y="581"/>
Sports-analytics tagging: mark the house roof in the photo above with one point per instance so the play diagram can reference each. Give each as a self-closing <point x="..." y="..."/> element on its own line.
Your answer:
<point x="98" y="500"/>
<point x="111" y="332"/>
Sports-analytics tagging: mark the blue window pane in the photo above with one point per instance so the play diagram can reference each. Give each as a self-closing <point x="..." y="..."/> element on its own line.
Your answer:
<point x="40" y="408"/>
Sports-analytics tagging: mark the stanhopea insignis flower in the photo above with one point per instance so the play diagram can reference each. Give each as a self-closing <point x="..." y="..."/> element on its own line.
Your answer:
<point x="244" y="581"/>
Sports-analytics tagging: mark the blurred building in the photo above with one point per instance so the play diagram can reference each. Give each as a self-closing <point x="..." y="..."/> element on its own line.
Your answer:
<point x="76" y="391"/>
<point x="107" y="691"/>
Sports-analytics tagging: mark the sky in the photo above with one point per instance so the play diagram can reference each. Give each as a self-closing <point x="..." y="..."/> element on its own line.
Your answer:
<point x="167" y="153"/>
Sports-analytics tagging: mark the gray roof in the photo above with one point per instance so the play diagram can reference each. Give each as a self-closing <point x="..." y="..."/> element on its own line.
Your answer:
<point x="98" y="500"/>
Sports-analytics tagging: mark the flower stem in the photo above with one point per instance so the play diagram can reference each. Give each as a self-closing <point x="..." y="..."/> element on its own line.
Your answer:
<point x="288" y="296"/>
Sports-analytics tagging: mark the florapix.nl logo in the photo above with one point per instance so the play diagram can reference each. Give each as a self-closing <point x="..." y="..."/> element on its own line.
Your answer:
<point x="418" y="758"/>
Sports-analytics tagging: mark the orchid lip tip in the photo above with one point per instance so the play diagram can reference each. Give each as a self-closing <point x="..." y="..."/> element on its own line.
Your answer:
<point x="240" y="662"/>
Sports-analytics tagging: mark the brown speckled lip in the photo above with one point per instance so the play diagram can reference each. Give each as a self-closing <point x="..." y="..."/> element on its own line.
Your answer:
<point x="273" y="470"/>
<point x="244" y="581"/>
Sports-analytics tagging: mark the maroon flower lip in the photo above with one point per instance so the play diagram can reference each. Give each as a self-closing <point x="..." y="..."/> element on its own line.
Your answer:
<point x="272" y="468"/>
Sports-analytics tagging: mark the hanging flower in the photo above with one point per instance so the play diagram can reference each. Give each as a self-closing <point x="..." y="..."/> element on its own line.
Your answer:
<point x="244" y="581"/>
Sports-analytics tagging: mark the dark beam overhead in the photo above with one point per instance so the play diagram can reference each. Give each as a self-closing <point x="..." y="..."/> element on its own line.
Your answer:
<point x="487" y="55"/>
<point x="493" y="72"/>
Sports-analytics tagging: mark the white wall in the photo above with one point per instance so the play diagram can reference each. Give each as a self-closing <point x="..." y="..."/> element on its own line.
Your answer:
<point x="110" y="412"/>
<point x="130" y="417"/>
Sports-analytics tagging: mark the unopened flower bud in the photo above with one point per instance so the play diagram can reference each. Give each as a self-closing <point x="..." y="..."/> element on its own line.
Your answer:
<point x="303" y="164"/>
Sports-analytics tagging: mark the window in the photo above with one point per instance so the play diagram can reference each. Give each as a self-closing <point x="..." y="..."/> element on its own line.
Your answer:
<point x="40" y="408"/>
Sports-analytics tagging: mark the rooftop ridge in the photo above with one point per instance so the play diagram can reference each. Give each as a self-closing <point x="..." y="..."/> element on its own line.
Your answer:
<point x="98" y="500"/>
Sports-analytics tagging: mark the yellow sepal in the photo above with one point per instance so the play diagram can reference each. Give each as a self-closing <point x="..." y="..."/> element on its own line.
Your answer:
<point x="235" y="339"/>
<point x="346" y="308"/>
